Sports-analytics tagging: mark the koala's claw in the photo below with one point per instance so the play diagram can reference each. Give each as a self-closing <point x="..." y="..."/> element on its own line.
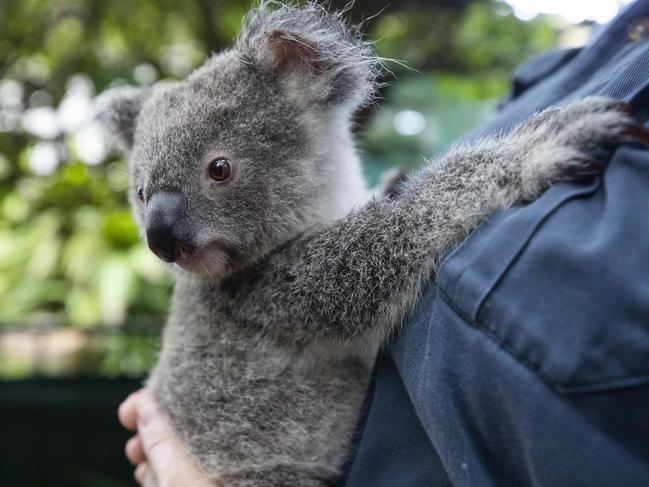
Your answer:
<point x="625" y="108"/>
<point x="638" y="133"/>
<point x="565" y="140"/>
<point x="582" y="168"/>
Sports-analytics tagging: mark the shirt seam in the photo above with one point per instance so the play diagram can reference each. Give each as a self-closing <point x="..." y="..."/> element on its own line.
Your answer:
<point x="578" y="388"/>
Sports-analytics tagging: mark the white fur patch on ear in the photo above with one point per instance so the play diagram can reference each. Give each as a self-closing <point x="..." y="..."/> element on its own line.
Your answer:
<point x="291" y="51"/>
<point x="284" y="39"/>
<point x="118" y="108"/>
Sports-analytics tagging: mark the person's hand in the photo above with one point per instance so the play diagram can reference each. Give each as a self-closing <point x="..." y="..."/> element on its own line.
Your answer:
<point x="155" y="448"/>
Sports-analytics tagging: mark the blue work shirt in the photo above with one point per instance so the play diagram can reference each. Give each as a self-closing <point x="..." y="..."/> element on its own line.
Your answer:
<point x="527" y="360"/>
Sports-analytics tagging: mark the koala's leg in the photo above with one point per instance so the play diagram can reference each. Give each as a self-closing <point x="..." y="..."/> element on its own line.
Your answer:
<point x="274" y="477"/>
<point x="360" y="276"/>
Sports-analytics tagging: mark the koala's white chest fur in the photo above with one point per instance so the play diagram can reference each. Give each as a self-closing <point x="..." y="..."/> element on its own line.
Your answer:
<point x="243" y="402"/>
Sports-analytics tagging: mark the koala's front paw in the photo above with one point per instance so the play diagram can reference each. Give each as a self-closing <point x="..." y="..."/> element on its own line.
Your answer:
<point x="561" y="141"/>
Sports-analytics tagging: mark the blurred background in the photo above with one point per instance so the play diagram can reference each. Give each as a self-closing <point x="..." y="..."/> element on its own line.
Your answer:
<point x="81" y="299"/>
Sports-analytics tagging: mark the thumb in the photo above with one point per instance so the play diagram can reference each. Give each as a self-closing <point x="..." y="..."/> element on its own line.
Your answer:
<point x="161" y="447"/>
<point x="165" y="454"/>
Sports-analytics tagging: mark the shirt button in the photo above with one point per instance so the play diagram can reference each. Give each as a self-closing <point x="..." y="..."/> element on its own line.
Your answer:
<point x="639" y="29"/>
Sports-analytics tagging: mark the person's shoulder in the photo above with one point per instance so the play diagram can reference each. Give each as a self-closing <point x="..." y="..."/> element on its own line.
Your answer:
<point x="540" y="67"/>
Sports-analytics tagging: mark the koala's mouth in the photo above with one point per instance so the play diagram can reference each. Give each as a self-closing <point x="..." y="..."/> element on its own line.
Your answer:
<point x="210" y="259"/>
<point x="213" y="259"/>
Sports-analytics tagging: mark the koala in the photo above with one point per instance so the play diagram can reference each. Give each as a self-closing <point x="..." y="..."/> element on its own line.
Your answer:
<point x="288" y="274"/>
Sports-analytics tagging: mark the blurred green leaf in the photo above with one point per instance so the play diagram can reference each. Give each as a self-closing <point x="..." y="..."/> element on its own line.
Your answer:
<point x="119" y="231"/>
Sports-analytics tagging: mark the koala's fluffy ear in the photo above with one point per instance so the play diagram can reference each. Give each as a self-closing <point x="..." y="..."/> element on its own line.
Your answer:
<point x="308" y="44"/>
<point x="118" y="108"/>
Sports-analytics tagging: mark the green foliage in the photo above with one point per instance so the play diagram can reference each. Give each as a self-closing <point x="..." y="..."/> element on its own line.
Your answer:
<point x="483" y="38"/>
<point x="70" y="255"/>
<point x="449" y="105"/>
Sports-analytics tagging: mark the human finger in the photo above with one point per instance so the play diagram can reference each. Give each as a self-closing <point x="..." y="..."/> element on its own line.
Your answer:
<point x="134" y="450"/>
<point x="127" y="412"/>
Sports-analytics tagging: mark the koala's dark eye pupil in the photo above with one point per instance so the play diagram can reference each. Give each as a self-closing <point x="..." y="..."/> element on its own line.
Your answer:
<point x="140" y="193"/>
<point x="220" y="169"/>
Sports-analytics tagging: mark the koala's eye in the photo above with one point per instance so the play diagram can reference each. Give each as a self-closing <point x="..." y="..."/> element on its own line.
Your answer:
<point x="220" y="169"/>
<point x="140" y="194"/>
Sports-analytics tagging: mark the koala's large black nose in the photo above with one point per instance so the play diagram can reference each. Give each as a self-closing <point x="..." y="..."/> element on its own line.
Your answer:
<point x="166" y="229"/>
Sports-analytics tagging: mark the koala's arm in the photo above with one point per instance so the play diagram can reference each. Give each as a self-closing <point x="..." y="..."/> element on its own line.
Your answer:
<point x="362" y="274"/>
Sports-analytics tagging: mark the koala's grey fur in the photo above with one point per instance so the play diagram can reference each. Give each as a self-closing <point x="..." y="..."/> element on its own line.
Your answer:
<point x="267" y="350"/>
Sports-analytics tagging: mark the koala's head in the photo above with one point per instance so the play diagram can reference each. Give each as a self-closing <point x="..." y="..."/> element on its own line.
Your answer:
<point x="251" y="148"/>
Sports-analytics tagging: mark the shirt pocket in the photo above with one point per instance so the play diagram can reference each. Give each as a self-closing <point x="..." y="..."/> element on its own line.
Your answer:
<point x="562" y="284"/>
